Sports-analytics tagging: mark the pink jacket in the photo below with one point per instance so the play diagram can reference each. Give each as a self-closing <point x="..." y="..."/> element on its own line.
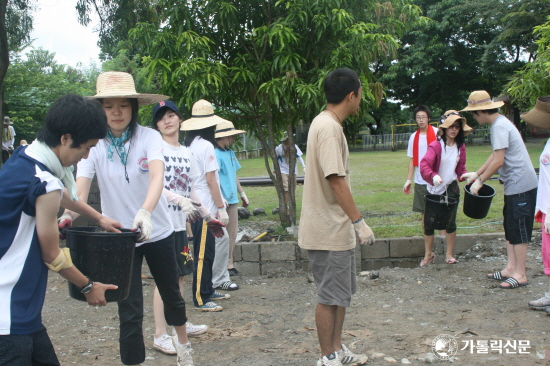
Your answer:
<point x="429" y="166"/>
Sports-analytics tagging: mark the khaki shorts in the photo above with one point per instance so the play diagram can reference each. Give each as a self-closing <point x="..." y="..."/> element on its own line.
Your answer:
<point x="420" y="190"/>
<point x="334" y="275"/>
<point x="285" y="181"/>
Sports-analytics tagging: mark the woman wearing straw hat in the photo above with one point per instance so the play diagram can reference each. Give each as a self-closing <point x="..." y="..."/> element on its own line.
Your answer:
<point x="444" y="161"/>
<point x="511" y="159"/>
<point x="130" y="168"/>
<point x="211" y="254"/>
<point x="229" y="183"/>
<point x="8" y="138"/>
<point x="539" y="117"/>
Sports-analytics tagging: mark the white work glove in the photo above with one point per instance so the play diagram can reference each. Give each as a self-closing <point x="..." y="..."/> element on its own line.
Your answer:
<point x="407" y="187"/>
<point x="547" y="223"/>
<point x="437" y="180"/>
<point x="364" y="232"/>
<point x="63" y="222"/>
<point x="223" y="216"/>
<point x="245" y="199"/>
<point x="189" y="208"/>
<point x="143" y="222"/>
<point x="474" y="188"/>
<point x="470" y="177"/>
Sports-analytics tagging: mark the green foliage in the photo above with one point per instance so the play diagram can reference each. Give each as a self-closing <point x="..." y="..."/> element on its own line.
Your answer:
<point x="19" y="23"/>
<point x="32" y="85"/>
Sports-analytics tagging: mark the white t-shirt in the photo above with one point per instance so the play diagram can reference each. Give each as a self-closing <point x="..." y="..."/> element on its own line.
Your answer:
<point x="8" y="143"/>
<point x="205" y="156"/>
<point x="447" y="168"/>
<point x="283" y="163"/>
<point x="422" y="148"/>
<point x="180" y="169"/>
<point x="121" y="200"/>
<point x="543" y="192"/>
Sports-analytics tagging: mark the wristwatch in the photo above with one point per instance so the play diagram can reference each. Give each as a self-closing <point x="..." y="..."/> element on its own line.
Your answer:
<point x="87" y="288"/>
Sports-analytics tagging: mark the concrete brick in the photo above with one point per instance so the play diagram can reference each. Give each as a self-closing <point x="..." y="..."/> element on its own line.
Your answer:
<point x="406" y="247"/>
<point x="370" y="264"/>
<point x="305" y="266"/>
<point x="406" y="263"/>
<point x="249" y="268"/>
<point x="380" y="249"/>
<point x="273" y="267"/>
<point x="302" y="254"/>
<point x="250" y="252"/>
<point x="282" y="251"/>
<point x="237" y="253"/>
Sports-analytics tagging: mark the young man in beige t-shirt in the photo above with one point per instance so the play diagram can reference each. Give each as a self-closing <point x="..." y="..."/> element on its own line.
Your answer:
<point x="330" y="220"/>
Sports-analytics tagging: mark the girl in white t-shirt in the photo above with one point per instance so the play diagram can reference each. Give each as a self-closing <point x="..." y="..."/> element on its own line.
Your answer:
<point x="444" y="161"/>
<point x="130" y="169"/>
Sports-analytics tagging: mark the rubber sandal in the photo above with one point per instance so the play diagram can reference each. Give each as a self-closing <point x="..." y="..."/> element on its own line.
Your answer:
<point x="423" y="262"/>
<point x="451" y="260"/>
<point x="513" y="283"/>
<point x="497" y="275"/>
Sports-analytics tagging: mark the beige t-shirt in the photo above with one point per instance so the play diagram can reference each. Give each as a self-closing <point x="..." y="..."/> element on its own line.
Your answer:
<point x="323" y="223"/>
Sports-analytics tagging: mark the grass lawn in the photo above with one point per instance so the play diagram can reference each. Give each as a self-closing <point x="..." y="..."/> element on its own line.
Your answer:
<point x="377" y="178"/>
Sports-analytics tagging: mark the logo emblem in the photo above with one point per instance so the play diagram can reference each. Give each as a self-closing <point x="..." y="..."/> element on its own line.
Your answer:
<point x="143" y="165"/>
<point x="444" y="346"/>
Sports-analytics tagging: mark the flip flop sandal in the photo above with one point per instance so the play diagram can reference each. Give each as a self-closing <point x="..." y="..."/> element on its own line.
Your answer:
<point x="513" y="283"/>
<point x="451" y="260"/>
<point x="228" y="286"/>
<point x="497" y="275"/>
<point x="423" y="262"/>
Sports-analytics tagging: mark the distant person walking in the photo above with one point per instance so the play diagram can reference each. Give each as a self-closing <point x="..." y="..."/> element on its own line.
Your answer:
<point x="8" y="138"/>
<point x="511" y="159"/>
<point x="443" y="163"/>
<point x="283" y="156"/>
<point x="330" y="220"/>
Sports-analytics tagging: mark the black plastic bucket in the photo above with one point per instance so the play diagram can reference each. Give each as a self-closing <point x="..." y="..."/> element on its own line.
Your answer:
<point x="438" y="211"/>
<point x="477" y="207"/>
<point x="104" y="257"/>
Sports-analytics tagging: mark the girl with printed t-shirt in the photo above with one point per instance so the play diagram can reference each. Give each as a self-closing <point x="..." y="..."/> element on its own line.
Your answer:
<point x="444" y="161"/>
<point x="130" y="169"/>
<point x="211" y="254"/>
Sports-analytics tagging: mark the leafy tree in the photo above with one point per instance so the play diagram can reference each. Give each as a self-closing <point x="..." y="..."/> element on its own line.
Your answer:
<point x="533" y="80"/>
<point x="32" y="85"/>
<point x="263" y="62"/>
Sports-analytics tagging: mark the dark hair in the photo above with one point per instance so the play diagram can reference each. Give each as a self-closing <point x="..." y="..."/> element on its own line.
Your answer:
<point x="161" y="113"/>
<point x="134" y="103"/>
<point x="488" y="111"/>
<point x="82" y="118"/>
<point x="459" y="139"/>
<point x="423" y="108"/>
<point x="340" y="83"/>
<point x="207" y="134"/>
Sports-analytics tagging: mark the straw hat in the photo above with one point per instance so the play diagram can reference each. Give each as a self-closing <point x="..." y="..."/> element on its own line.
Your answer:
<point x="202" y="116"/>
<point x="480" y="100"/>
<point x="449" y="118"/>
<point x="225" y="129"/>
<point x="114" y="84"/>
<point x="7" y="121"/>
<point x="540" y="115"/>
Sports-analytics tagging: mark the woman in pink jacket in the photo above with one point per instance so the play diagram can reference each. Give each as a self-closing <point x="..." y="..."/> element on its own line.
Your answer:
<point x="444" y="162"/>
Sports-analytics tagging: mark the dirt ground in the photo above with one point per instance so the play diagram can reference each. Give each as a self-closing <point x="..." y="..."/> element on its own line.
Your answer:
<point x="270" y="320"/>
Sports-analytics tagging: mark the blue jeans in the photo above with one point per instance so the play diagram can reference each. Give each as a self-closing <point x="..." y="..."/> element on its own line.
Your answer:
<point x="161" y="258"/>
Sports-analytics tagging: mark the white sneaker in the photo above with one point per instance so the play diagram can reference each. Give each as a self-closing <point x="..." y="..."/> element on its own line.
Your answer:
<point x="348" y="358"/>
<point x="192" y="330"/>
<point x="184" y="352"/>
<point x="164" y="344"/>
<point x="325" y="361"/>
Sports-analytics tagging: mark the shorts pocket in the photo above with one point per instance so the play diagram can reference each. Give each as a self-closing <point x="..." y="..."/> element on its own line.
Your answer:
<point x="521" y="207"/>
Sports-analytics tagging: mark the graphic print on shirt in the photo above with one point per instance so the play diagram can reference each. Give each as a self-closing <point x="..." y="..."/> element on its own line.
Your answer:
<point x="178" y="182"/>
<point x="545" y="159"/>
<point x="143" y="165"/>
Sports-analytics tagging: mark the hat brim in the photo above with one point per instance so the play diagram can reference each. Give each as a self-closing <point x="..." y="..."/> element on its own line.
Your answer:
<point x="537" y="118"/>
<point x="198" y="123"/>
<point x="452" y="119"/>
<point x="8" y="123"/>
<point x="483" y="107"/>
<point x="143" y="99"/>
<point x="229" y="133"/>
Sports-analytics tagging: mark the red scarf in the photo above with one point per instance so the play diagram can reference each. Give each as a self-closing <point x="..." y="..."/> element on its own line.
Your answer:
<point x="430" y="135"/>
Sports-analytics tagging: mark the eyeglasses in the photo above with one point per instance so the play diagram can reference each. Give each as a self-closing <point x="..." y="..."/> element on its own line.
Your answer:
<point x="458" y="127"/>
<point x="420" y="118"/>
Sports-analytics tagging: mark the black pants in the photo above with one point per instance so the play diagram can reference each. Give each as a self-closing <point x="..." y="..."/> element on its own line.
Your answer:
<point x="161" y="258"/>
<point x="5" y="156"/>
<point x="34" y="349"/>
<point x="204" y="251"/>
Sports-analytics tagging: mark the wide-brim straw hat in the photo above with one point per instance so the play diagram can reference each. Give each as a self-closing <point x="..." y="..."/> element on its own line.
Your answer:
<point x="539" y="116"/>
<point x="115" y="84"/>
<point x="202" y="116"/>
<point x="480" y="100"/>
<point x="225" y="129"/>
<point x="7" y="121"/>
<point x="450" y="117"/>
